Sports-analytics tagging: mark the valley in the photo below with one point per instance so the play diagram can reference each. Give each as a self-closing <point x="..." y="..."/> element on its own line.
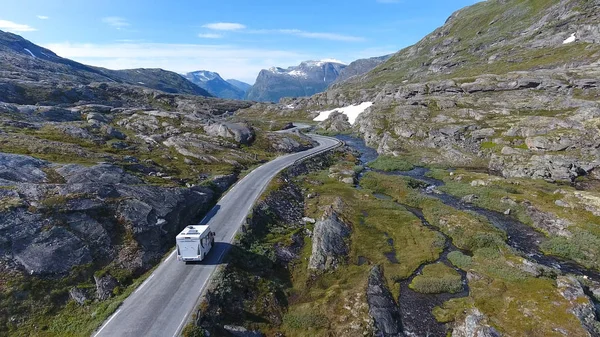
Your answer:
<point x="463" y="199"/>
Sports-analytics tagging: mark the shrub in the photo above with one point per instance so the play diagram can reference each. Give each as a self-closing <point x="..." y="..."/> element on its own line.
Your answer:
<point x="437" y="278"/>
<point x="460" y="260"/>
<point x="358" y="169"/>
<point x="305" y="321"/>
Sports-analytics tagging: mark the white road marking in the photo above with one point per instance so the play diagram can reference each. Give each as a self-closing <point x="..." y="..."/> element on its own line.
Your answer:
<point x="179" y="327"/>
<point x="170" y="256"/>
<point x="110" y="319"/>
<point x="143" y="283"/>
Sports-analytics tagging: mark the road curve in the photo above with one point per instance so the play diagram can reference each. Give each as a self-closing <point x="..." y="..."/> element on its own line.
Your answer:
<point x="160" y="306"/>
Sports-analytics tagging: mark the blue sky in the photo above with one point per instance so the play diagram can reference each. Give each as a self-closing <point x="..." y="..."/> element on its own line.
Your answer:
<point x="236" y="38"/>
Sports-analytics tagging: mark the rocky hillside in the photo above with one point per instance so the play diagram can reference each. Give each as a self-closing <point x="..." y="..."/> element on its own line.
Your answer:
<point x="518" y="95"/>
<point x="30" y="73"/>
<point x="92" y="193"/>
<point x="215" y="84"/>
<point x="306" y="79"/>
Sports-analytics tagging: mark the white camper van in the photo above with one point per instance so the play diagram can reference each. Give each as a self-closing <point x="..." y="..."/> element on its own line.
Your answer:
<point x="194" y="242"/>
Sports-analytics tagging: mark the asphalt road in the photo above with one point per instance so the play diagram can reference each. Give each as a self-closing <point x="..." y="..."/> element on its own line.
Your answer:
<point x="161" y="305"/>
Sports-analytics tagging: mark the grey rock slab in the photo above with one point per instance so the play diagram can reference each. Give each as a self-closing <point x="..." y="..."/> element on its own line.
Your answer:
<point x="329" y="242"/>
<point x="51" y="251"/>
<point x="382" y="307"/>
<point x="20" y="168"/>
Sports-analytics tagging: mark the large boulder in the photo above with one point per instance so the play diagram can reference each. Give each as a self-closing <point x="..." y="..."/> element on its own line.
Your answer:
<point x="105" y="285"/>
<point x="330" y="246"/>
<point x="382" y="307"/>
<point x="336" y="122"/>
<point x="289" y="143"/>
<point x="239" y="132"/>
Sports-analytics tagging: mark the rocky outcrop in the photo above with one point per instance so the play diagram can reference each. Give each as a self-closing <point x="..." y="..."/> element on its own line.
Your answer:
<point x="337" y="122"/>
<point x="548" y="222"/>
<point x="581" y="306"/>
<point x="79" y="295"/>
<point x="290" y="142"/>
<point x="76" y="221"/>
<point x="382" y="307"/>
<point x="239" y="132"/>
<point x="330" y="246"/>
<point x="516" y="163"/>
<point x="105" y="285"/>
<point x="475" y="324"/>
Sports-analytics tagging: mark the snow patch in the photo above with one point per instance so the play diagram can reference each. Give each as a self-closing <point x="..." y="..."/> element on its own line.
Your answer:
<point x="351" y="111"/>
<point x="298" y="73"/>
<point x="333" y="61"/>
<point x="141" y="83"/>
<point x="290" y="106"/>
<point x="570" y="39"/>
<point x="29" y="51"/>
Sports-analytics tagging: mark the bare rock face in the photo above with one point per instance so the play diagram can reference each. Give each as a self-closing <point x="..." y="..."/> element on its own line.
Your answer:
<point x="329" y="242"/>
<point x="241" y="133"/>
<point x="581" y="305"/>
<point x="474" y="325"/>
<point x="382" y="307"/>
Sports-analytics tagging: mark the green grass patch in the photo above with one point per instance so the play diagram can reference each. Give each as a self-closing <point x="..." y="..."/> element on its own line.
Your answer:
<point x="390" y="163"/>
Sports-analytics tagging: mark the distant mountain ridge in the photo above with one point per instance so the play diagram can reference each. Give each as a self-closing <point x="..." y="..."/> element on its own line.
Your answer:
<point x="240" y="85"/>
<point x="215" y="84"/>
<point x="308" y="78"/>
<point x="25" y="64"/>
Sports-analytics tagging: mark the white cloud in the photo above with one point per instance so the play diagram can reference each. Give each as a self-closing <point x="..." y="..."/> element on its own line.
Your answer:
<point x="228" y="60"/>
<point x="15" y="27"/>
<point x="310" y="35"/>
<point x="43" y="17"/>
<point x="224" y="26"/>
<point x="116" y="22"/>
<point x="210" y="36"/>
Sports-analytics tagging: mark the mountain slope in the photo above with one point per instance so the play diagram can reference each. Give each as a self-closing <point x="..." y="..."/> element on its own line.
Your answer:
<point x="497" y="37"/>
<point x="240" y="85"/>
<point x="306" y="79"/>
<point x="360" y="67"/>
<point x="24" y="63"/>
<point x="215" y="84"/>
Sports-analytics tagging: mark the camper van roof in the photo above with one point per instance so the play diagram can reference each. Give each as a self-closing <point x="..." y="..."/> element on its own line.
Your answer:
<point x="194" y="230"/>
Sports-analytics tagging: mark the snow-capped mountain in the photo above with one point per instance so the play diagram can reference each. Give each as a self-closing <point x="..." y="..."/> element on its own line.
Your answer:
<point x="215" y="84"/>
<point x="308" y="78"/>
